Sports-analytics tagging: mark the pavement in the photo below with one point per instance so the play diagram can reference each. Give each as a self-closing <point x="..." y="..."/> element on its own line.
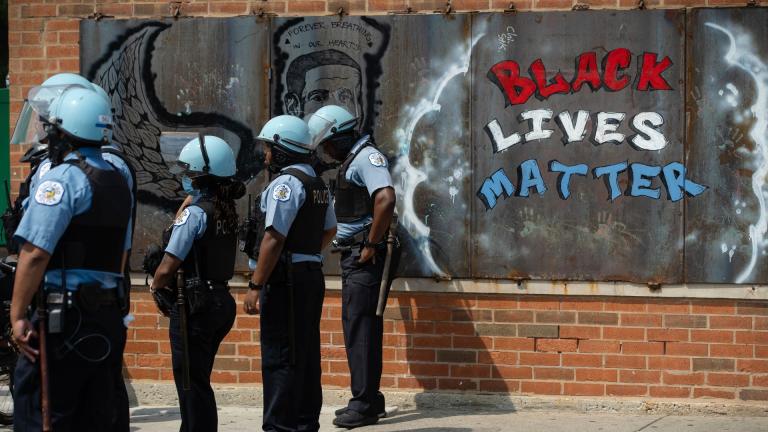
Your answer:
<point x="157" y="419"/>
<point x="231" y="419"/>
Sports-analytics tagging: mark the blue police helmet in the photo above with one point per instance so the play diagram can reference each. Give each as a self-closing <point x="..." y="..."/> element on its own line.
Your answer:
<point x="289" y="132"/>
<point x="206" y="155"/>
<point x="329" y="121"/>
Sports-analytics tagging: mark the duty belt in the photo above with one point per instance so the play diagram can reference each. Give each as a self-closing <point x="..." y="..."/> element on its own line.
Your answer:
<point x="352" y="241"/>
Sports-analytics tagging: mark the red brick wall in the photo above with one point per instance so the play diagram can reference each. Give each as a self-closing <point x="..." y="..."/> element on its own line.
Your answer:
<point x="520" y="344"/>
<point x="546" y="345"/>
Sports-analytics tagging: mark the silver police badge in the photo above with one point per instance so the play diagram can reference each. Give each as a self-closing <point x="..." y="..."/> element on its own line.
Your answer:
<point x="282" y="192"/>
<point x="377" y="159"/>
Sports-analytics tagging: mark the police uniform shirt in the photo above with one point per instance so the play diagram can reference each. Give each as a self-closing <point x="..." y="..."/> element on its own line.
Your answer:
<point x="281" y="202"/>
<point x="115" y="161"/>
<point x="371" y="170"/>
<point x="188" y="227"/>
<point x="60" y="194"/>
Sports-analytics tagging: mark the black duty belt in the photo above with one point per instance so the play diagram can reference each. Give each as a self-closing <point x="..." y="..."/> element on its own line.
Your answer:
<point x="352" y="241"/>
<point x="214" y="285"/>
<point x="304" y="266"/>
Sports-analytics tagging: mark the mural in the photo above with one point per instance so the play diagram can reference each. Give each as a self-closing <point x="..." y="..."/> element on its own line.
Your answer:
<point x="578" y="141"/>
<point x="530" y="146"/>
<point x="728" y="110"/>
<point x="168" y="80"/>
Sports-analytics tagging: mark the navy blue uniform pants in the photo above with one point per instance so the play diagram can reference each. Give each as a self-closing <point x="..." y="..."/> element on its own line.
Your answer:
<point x="122" y="417"/>
<point x="290" y="367"/>
<point x="363" y="330"/>
<point x="80" y="379"/>
<point x="206" y="329"/>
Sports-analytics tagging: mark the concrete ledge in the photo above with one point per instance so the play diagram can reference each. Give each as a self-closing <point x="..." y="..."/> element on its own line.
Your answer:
<point x="539" y="287"/>
<point x="164" y="394"/>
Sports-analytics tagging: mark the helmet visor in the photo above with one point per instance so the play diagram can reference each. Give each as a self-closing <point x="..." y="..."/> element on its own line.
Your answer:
<point x="171" y="144"/>
<point x="30" y="127"/>
<point x="322" y="128"/>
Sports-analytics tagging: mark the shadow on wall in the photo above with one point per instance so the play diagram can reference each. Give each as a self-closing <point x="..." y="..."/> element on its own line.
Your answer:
<point x="436" y="335"/>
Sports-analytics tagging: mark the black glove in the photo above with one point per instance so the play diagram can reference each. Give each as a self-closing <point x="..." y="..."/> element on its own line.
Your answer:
<point x="152" y="259"/>
<point x="164" y="299"/>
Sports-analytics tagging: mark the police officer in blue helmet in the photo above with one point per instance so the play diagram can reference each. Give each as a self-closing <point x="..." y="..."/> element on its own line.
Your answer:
<point x="73" y="236"/>
<point x="112" y="152"/>
<point x="288" y="284"/>
<point x="203" y="245"/>
<point x="364" y="199"/>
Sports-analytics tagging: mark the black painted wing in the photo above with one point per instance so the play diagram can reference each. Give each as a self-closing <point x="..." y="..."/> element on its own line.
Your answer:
<point x="136" y="127"/>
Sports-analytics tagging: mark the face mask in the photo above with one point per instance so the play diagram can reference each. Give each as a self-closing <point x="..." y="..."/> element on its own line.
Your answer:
<point x="186" y="184"/>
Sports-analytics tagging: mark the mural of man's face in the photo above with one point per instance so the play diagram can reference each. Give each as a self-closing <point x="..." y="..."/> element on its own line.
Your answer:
<point x="332" y="85"/>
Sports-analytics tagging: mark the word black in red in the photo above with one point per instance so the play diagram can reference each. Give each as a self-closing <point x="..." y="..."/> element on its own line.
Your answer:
<point x="613" y="75"/>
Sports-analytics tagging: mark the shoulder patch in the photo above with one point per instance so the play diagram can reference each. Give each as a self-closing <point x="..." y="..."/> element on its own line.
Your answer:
<point x="44" y="168"/>
<point x="281" y="192"/>
<point x="377" y="159"/>
<point x="182" y="219"/>
<point x="49" y="193"/>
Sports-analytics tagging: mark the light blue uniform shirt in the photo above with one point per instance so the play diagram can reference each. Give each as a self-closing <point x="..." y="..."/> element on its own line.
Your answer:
<point x="369" y="169"/>
<point x="116" y="162"/>
<point x="281" y="202"/>
<point x="60" y="194"/>
<point x="188" y="227"/>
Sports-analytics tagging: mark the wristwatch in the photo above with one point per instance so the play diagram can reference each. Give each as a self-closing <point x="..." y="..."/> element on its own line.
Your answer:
<point x="254" y="286"/>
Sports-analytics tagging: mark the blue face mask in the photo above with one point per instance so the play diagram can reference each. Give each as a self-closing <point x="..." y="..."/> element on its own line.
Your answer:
<point x="186" y="183"/>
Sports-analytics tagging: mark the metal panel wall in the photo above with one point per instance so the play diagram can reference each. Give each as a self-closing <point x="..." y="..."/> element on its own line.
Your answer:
<point x="548" y="68"/>
<point x="536" y="145"/>
<point x="727" y="104"/>
<point x="169" y="79"/>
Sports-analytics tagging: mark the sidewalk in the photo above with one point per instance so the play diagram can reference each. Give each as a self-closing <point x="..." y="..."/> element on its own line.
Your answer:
<point x="164" y="419"/>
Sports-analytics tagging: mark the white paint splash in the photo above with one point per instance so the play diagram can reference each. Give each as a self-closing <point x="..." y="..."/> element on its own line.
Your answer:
<point x="729" y="251"/>
<point x="410" y="176"/>
<point x="741" y="54"/>
<point x="232" y="82"/>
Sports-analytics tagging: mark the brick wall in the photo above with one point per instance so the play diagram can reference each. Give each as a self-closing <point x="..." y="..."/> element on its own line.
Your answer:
<point x="546" y="345"/>
<point x="557" y="345"/>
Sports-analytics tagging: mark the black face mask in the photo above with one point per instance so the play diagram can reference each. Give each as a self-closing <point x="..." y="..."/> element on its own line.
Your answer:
<point x="282" y="158"/>
<point x="58" y="145"/>
<point x="342" y="143"/>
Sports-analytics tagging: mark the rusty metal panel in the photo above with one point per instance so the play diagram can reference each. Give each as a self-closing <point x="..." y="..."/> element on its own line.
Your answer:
<point x="397" y="74"/>
<point x="587" y="236"/>
<point x="424" y="122"/>
<point x="727" y="104"/>
<point x="169" y="79"/>
<point x="320" y="61"/>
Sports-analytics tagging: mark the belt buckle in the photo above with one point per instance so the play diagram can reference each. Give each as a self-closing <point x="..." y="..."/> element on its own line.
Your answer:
<point x="55" y="298"/>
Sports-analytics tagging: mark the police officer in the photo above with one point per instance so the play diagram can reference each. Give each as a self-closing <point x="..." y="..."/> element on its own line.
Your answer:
<point x="203" y="244"/>
<point x="73" y="236"/>
<point x="364" y="199"/>
<point x="288" y="282"/>
<point x="113" y="154"/>
<point x="40" y="164"/>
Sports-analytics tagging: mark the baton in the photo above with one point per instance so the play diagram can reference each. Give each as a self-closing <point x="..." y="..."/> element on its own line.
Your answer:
<point x="291" y="307"/>
<point x="383" y="288"/>
<point x="45" y="403"/>
<point x="181" y="305"/>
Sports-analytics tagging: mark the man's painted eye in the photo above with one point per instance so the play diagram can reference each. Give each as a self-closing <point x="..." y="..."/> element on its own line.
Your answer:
<point x="318" y="96"/>
<point x="344" y="95"/>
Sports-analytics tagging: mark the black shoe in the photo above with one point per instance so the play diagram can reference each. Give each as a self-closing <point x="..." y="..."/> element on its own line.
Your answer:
<point x="341" y="411"/>
<point x="351" y="419"/>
